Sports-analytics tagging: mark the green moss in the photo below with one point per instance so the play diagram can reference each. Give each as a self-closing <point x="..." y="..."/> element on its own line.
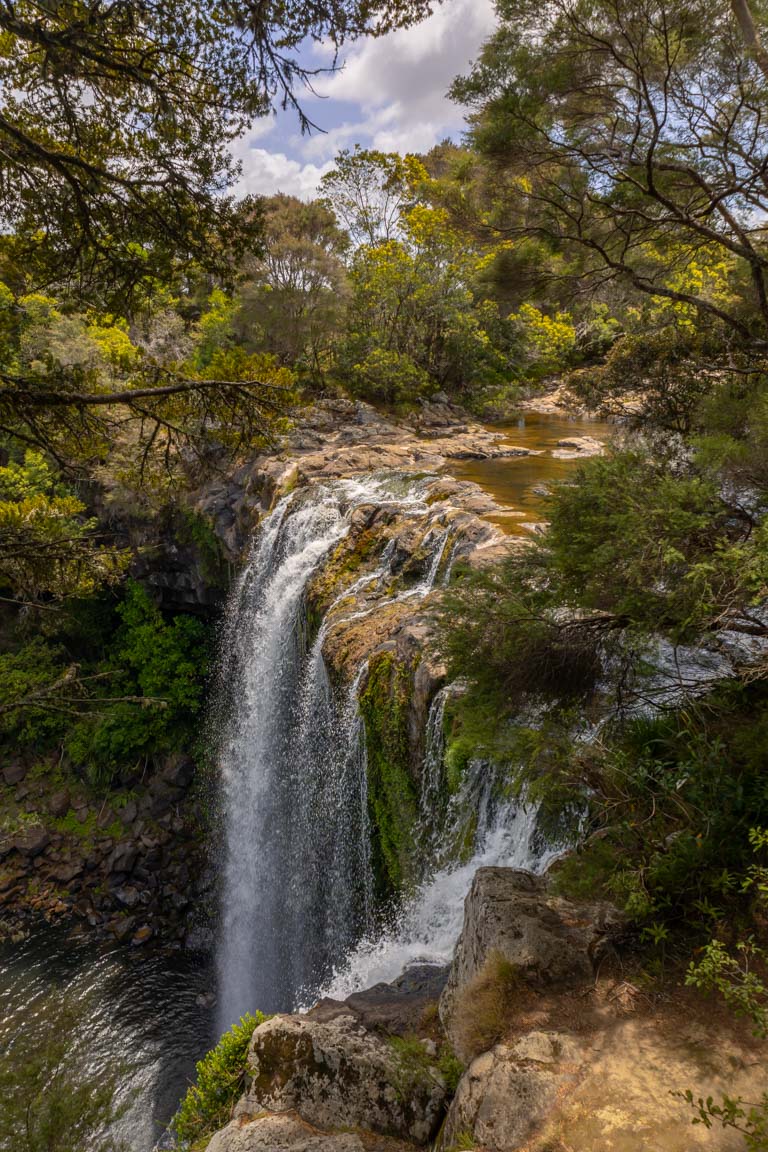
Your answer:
<point x="70" y="825"/>
<point x="391" y="790"/>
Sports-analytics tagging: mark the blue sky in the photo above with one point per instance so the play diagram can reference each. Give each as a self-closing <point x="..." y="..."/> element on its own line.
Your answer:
<point x="390" y="94"/>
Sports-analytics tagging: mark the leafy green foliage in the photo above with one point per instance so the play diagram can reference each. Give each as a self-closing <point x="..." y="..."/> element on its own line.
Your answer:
<point x="112" y="686"/>
<point x="294" y="294"/>
<point x="81" y="198"/>
<point x="734" y="978"/>
<point x="163" y="667"/>
<point x="751" y="1120"/>
<point x="208" y="1102"/>
<point x="653" y="543"/>
<point x="48" y="547"/>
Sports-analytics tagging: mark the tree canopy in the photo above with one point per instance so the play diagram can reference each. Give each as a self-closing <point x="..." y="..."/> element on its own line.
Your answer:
<point x="116" y="124"/>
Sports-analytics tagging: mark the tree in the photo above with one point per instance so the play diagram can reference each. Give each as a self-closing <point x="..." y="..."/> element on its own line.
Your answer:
<point x="634" y="131"/>
<point x="370" y="192"/>
<point x="292" y="301"/>
<point x="414" y="322"/>
<point x="117" y="121"/>
<point x="79" y="389"/>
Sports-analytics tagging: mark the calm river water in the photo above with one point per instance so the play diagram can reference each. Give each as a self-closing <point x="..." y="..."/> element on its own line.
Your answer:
<point x="519" y="483"/>
<point x="140" y="1006"/>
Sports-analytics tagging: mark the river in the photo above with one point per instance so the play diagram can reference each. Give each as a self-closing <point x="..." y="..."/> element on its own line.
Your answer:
<point x="519" y="484"/>
<point x="143" y="1008"/>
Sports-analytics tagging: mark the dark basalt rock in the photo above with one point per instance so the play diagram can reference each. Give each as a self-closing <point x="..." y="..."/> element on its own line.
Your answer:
<point x="32" y="841"/>
<point x="395" y="1009"/>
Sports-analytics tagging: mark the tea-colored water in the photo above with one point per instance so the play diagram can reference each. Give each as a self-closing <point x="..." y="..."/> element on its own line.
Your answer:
<point x="519" y="483"/>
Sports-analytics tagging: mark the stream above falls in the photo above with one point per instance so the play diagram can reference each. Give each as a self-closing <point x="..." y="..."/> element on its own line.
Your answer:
<point x="519" y="484"/>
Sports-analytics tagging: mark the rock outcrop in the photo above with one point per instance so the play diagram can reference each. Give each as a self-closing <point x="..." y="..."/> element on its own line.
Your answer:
<point x="547" y="940"/>
<point x="347" y="1075"/>
<point x="290" y="1133"/>
<point x="506" y="1094"/>
<point x="133" y="873"/>
<point x="583" y="1061"/>
<point x="338" y="1074"/>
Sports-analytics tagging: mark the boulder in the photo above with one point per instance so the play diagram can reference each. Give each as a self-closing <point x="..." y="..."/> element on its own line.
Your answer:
<point x="336" y="1074"/>
<point x="14" y="774"/>
<point x="59" y="803"/>
<point x="289" y="1132"/>
<point x="128" y="813"/>
<point x="578" y="446"/>
<point x="32" y="841"/>
<point x="128" y="897"/>
<point x="179" y="771"/>
<point x="548" y="940"/>
<point x="506" y="1094"/>
<point x="123" y="857"/>
<point x="395" y="1009"/>
<point x="143" y="936"/>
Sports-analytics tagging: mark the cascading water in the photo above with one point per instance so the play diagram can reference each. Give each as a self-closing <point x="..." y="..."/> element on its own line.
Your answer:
<point x="425" y="929"/>
<point x="298" y="885"/>
<point x="264" y="936"/>
<point x="297" y="877"/>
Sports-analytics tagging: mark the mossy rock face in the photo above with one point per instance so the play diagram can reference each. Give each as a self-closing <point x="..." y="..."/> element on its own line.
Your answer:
<point x="393" y="799"/>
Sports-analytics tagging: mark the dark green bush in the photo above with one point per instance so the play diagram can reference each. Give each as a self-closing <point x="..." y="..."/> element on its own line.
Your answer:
<point x="208" y="1103"/>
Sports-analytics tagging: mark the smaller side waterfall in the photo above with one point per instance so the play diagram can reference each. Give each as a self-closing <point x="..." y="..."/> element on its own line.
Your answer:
<point x="427" y="926"/>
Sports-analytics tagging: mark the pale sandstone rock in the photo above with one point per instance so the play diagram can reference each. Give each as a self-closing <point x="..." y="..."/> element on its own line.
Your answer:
<point x="507" y="1093"/>
<point x="548" y="940"/>
<point x="290" y="1133"/>
<point x="335" y="1073"/>
<point x="576" y="447"/>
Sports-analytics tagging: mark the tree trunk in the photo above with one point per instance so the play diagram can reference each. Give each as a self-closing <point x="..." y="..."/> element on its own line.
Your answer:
<point x="743" y="14"/>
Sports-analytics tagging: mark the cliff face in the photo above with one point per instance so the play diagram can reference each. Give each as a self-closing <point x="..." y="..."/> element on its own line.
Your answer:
<point x="133" y="870"/>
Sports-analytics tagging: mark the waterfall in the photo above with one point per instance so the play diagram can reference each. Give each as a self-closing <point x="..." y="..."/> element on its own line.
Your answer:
<point x="277" y="809"/>
<point x="425" y="929"/>
<point x="297" y="883"/>
<point x="297" y="901"/>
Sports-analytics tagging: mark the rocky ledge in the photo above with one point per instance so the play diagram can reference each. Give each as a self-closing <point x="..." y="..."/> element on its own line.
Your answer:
<point x="561" y="1052"/>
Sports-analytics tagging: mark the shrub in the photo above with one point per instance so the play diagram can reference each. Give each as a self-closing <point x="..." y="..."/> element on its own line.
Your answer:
<point x="151" y="659"/>
<point x="208" y="1102"/>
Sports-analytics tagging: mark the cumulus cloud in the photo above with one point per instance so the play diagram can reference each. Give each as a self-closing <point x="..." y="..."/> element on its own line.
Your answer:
<point x="390" y="94"/>
<point x="265" y="173"/>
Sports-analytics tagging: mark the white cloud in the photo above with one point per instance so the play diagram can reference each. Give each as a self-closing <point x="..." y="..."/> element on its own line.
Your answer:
<point x="414" y="67"/>
<point x="265" y="172"/>
<point x="390" y="94"/>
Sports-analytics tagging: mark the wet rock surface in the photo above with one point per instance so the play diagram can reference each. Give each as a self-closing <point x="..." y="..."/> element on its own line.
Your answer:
<point x="396" y="1009"/>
